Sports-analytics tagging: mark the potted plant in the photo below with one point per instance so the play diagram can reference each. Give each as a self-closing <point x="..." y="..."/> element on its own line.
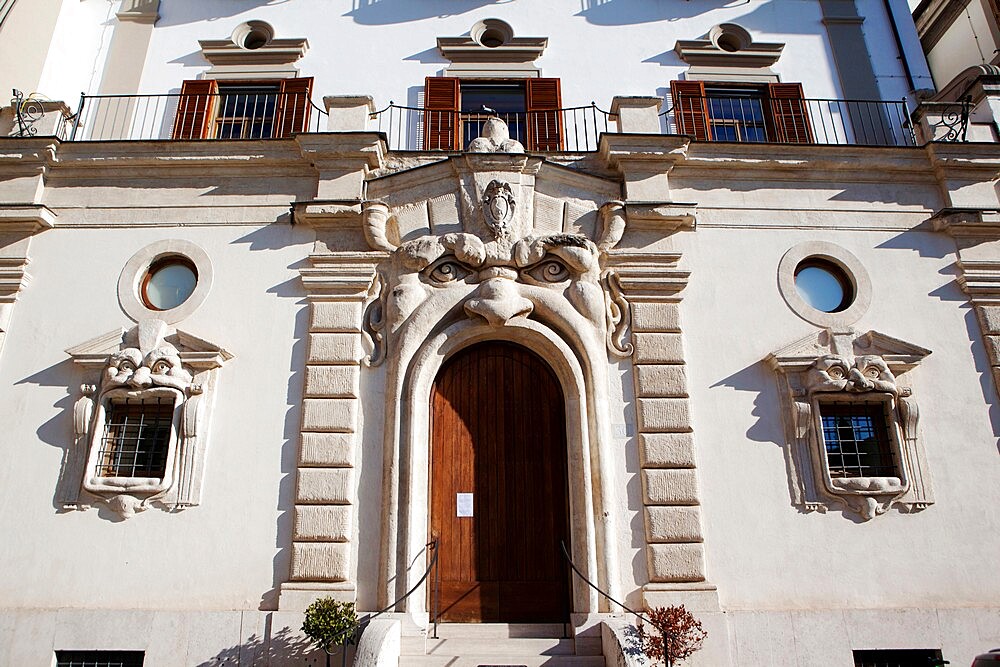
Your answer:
<point x="331" y="623"/>
<point x="675" y="634"/>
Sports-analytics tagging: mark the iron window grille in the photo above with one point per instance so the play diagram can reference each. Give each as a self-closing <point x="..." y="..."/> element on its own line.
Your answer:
<point x="899" y="658"/>
<point x="99" y="658"/>
<point x="856" y="439"/>
<point x="136" y="437"/>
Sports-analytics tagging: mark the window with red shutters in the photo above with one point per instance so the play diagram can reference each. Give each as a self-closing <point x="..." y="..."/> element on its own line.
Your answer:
<point x="455" y="110"/>
<point x="545" y="129"/>
<point x="209" y="109"/>
<point x="725" y="111"/>
<point x="441" y="119"/>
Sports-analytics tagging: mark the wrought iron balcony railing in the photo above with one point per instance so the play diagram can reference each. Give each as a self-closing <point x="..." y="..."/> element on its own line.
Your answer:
<point x="573" y="129"/>
<point x="220" y="115"/>
<point x="758" y="119"/>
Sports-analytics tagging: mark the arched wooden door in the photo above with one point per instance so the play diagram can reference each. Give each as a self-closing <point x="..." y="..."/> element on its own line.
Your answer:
<point x="499" y="505"/>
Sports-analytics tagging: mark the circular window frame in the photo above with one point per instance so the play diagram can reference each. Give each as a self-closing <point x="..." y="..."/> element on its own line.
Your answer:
<point x="137" y="268"/>
<point x="841" y="258"/>
<point x="726" y="34"/>
<point x="158" y="265"/>
<point x="243" y="31"/>
<point x="496" y="27"/>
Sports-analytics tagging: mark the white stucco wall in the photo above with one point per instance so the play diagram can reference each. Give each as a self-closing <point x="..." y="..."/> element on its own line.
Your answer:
<point x="967" y="42"/>
<point x="230" y="552"/>
<point x="75" y="60"/>
<point x="348" y="42"/>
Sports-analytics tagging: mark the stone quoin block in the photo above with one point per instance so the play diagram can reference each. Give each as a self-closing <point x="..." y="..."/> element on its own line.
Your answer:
<point x="336" y="316"/>
<point x="332" y="381"/>
<point x="663" y="414"/>
<point x="657" y="380"/>
<point x="676" y="562"/>
<point x="989" y="318"/>
<point x="324" y="561"/>
<point x="323" y="523"/>
<point x="670" y="486"/>
<point x="658" y="348"/>
<point x="334" y="348"/>
<point x="327" y="449"/>
<point x="329" y="414"/>
<point x="651" y="317"/>
<point x="666" y="450"/>
<point x="326" y="486"/>
<point x="673" y="524"/>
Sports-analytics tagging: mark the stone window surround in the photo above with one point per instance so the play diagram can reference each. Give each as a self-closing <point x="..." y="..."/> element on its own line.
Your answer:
<point x="129" y="282"/>
<point x="154" y="360"/>
<point x="848" y="367"/>
<point x="840" y="257"/>
<point x="274" y="60"/>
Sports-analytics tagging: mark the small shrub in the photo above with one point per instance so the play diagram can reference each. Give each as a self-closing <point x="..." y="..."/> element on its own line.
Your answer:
<point x="678" y="628"/>
<point x="330" y="623"/>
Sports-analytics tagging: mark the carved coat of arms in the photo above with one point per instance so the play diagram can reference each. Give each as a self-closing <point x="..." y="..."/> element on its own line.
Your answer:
<point x="498" y="208"/>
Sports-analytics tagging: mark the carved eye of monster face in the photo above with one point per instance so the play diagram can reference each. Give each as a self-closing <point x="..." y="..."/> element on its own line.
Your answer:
<point x="548" y="271"/>
<point x="836" y="372"/>
<point x="126" y="366"/>
<point x="161" y="367"/>
<point x="446" y="270"/>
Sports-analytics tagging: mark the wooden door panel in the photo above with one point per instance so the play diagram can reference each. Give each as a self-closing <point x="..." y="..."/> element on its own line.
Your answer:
<point x="499" y="433"/>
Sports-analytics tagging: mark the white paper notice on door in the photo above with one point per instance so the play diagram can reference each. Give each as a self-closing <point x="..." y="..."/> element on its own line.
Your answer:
<point x="463" y="504"/>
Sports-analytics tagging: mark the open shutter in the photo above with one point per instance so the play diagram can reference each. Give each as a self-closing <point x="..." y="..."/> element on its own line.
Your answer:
<point x="788" y="112"/>
<point x="293" y="106"/>
<point x="690" y="109"/>
<point x="545" y="128"/>
<point x="441" y="126"/>
<point x="196" y="109"/>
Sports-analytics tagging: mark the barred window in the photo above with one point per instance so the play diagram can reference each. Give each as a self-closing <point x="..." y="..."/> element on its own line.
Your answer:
<point x="898" y="658"/>
<point x="856" y="438"/>
<point x="136" y="437"/>
<point x="99" y="658"/>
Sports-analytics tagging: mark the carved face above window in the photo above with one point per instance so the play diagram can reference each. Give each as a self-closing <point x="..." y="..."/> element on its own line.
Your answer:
<point x="137" y="428"/>
<point x="852" y="423"/>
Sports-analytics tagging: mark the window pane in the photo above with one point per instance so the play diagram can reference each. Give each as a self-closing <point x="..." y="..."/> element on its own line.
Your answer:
<point x="136" y="438"/>
<point x="856" y="439"/>
<point x="169" y="285"/>
<point x="821" y="288"/>
<point x="99" y="658"/>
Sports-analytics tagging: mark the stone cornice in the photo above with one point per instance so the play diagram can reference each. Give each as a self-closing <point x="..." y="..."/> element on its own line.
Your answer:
<point x="648" y="276"/>
<point x="664" y="217"/>
<point x="276" y="52"/>
<point x="31" y="218"/>
<point x="467" y="50"/>
<point x="704" y="52"/>
<point x="967" y="222"/>
<point x="341" y="275"/>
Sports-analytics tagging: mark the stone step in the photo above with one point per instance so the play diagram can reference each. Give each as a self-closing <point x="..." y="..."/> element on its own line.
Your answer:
<point x="491" y="660"/>
<point x="462" y="646"/>
<point x="502" y="630"/>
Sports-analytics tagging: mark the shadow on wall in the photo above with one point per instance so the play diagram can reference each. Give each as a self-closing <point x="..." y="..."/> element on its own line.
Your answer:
<point x="284" y="647"/>
<point x="384" y="12"/>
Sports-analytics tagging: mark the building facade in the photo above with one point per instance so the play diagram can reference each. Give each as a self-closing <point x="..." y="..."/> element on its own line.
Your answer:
<point x="417" y="305"/>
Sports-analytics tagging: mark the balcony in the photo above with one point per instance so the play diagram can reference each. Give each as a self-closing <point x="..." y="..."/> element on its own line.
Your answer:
<point x="265" y="115"/>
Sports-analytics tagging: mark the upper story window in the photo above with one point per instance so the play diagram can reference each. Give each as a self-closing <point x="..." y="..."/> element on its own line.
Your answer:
<point x="753" y="112"/>
<point x="210" y="109"/>
<point x="455" y="114"/>
<point x="857" y="439"/>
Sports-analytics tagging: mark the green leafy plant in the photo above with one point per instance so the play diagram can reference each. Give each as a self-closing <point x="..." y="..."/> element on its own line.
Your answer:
<point x="331" y="623"/>
<point x="675" y="635"/>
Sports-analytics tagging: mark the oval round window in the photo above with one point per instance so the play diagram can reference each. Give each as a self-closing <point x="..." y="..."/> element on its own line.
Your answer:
<point x="824" y="285"/>
<point x="168" y="283"/>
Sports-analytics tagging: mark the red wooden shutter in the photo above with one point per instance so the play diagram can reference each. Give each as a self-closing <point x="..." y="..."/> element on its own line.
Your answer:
<point x="293" y="106"/>
<point x="441" y="126"/>
<point x="788" y="112"/>
<point x="196" y="109"/>
<point x="545" y="128"/>
<point x="690" y="108"/>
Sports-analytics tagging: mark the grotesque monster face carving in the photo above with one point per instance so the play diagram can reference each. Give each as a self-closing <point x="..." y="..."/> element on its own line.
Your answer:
<point x="133" y="370"/>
